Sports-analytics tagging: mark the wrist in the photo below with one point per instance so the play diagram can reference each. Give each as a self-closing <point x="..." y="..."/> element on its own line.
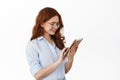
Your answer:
<point x="58" y="62"/>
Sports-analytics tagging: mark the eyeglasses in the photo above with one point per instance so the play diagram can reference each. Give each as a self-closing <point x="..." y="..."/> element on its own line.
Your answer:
<point x="53" y="24"/>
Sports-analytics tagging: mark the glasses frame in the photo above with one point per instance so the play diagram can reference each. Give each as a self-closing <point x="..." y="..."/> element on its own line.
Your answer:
<point x="53" y="24"/>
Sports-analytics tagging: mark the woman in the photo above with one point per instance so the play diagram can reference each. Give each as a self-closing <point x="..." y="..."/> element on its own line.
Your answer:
<point x="45" y="51"/>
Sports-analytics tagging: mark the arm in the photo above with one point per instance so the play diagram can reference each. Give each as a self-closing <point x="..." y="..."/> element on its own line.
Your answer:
<point x="47" y="70"/>
<point x="68" y="65"/>
<point x="34" y="63"/>
<point x="70" y="55"/>
<point x="71" y="52"/>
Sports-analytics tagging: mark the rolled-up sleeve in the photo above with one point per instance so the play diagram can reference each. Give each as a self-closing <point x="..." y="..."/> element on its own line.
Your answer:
<point x="33" y="58"/>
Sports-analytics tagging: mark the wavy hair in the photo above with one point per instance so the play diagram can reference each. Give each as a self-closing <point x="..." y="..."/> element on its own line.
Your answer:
<point x="44" y="15"/>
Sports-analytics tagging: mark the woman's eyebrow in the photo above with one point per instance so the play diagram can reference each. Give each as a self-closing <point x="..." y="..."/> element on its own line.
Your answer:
<point x="54" y="22"/>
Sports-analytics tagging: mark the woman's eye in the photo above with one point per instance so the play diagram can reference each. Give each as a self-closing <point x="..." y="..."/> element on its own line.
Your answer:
<point x="52" y="24"/>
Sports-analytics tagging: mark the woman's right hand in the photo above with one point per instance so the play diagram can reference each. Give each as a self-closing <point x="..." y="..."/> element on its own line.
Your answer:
<point x="62" y="56"/>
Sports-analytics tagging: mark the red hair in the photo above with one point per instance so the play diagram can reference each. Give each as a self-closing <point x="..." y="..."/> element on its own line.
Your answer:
<point x="44" y="15"/>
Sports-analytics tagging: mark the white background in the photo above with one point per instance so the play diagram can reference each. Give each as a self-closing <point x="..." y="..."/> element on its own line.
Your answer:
<point x="97" y="21"/>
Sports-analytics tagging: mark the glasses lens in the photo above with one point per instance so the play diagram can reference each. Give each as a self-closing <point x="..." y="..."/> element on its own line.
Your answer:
<point x="58" y="25"/>
<point x="54" y="24"/>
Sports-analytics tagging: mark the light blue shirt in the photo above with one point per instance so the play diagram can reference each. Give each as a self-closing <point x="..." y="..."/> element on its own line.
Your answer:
<point x="40" y="53"/>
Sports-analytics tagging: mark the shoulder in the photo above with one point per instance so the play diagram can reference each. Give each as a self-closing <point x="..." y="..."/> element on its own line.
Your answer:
<point x="34" y="42"/>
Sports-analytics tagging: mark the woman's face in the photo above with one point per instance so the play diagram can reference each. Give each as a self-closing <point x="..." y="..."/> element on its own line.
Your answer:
<point x="51" y="26"/>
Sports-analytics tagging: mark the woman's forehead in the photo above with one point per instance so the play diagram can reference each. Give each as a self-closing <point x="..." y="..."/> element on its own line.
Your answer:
<point x="54" y="19"/>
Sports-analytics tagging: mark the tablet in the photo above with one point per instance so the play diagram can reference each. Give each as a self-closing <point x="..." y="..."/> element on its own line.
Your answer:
<point x="75" y="42"/>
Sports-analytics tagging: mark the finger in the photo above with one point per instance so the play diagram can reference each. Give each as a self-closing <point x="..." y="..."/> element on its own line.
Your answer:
<point x="64" y="49"/>
<point x="66" y="52"/>
<point x="69" y="50"/>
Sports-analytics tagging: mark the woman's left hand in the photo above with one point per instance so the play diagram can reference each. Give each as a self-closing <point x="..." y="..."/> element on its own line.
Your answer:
<point x="72" y="52"/>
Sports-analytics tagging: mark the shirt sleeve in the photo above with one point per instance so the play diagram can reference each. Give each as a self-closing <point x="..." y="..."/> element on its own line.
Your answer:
<point x="33" y="58"/>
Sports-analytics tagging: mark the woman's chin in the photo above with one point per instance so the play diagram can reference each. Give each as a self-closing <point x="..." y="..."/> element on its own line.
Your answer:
<point x="53" y="33"/>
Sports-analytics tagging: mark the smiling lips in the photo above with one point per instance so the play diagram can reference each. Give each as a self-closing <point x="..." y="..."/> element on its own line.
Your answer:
<point x="54" y="30"/>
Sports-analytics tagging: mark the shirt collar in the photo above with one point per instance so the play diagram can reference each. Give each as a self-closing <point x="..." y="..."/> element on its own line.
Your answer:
<point x="40" y="38"/>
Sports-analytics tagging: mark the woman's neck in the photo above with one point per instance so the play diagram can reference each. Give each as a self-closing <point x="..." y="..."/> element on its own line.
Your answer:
<point x="48" y="38"/>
